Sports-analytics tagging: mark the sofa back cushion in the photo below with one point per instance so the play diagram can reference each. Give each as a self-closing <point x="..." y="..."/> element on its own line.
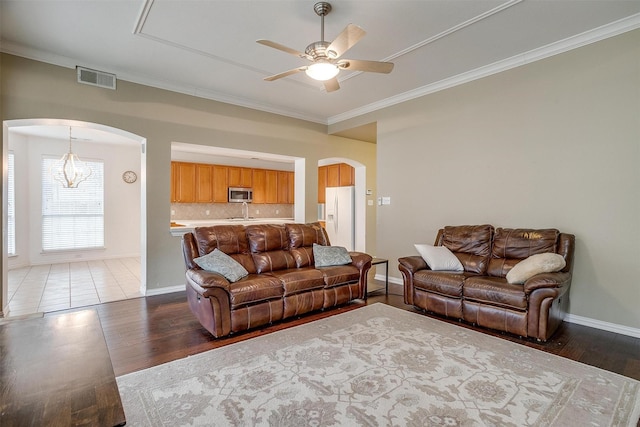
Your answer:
<point x="512" y="245"/>
<point x="269" y="246"/>
<point x="471" y="244"/>
<point x="230" y="239"/>
<point x="301" y="240"/>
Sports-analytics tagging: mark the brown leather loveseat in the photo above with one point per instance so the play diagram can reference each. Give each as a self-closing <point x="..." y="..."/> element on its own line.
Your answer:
<point x="282" y="282"/>
<point x="481" y="294"/>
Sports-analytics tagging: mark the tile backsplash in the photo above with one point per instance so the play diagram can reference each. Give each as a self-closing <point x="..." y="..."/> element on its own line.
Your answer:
<point x="229" y="210"/>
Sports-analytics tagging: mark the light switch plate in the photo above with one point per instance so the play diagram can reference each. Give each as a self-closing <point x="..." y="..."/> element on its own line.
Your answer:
<point x="386" y="200"/>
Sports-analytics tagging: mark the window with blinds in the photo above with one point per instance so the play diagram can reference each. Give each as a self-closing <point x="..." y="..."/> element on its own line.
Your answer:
<point x="72" y="218"/>
<point x="11" y="203"/>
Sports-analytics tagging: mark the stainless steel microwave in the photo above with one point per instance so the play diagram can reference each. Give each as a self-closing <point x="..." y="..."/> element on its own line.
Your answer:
<point x="239" y="195"/>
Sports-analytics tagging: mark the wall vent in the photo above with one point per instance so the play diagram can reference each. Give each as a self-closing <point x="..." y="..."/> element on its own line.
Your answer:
<point x="96" y="78"/>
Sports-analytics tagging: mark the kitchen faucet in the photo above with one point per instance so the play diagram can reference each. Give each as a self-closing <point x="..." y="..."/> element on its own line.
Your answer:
<point x="245" y="212"/>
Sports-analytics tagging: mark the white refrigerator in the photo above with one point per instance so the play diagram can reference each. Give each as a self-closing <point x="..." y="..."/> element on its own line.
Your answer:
<point x="340" y="216"/>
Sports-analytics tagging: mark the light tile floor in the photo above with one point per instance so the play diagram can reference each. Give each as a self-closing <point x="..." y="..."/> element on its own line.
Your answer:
<point x="44" y="288"/>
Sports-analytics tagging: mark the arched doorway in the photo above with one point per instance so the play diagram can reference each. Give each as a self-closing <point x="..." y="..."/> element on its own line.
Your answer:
<point x="45" y="131"/>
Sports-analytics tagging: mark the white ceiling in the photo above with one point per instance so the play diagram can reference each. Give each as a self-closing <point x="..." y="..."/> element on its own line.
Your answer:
<point x="208" y="49"/>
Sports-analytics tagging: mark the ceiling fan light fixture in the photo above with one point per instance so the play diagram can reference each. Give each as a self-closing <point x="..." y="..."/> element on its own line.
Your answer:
<point x="322" y="71"/>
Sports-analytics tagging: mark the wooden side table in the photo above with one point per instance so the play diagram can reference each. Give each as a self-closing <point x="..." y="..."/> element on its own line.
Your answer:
<point x="377" y="261"/>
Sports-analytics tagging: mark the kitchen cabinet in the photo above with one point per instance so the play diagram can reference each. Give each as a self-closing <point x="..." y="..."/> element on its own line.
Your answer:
<point x="240" y="177"/>
<point x="336" y="175"/>
<point x="220" y="184"/>
<point x="204" y="183"/>
<point x="259" y="186"/>
<point x="184" y="182"/>
<point x="333" y="175"/>
<point x="347" y="175"/>
<point x="291" y="194"/>
<point x="322" y="183"/>
<point x="271" y="181"/>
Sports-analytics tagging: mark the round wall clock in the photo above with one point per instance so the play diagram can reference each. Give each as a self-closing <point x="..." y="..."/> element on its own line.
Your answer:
<point x="129" y="177"/>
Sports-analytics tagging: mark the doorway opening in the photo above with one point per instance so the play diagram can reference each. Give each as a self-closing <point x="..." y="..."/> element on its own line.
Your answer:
<point x="34" y="279"/>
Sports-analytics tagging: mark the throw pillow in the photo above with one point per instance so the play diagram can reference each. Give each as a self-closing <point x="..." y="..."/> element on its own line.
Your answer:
<point x="439" y="258"/>
<point x="535" y="264"/>
<point x="221" y="263"/>
<point x="326" y="256"/>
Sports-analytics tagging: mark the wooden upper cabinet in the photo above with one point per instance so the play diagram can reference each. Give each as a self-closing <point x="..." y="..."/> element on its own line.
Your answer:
<point x="220" y="184"/>
<point x="204" y="183"/>
<point x="271" y="180"/>
<point x="322" y="183"/>
<point x="347" y="175"/>
<point x="174" y="182"/>
<point x="184" y="182"/>
<point x="333" y="175"/>
<point x="259" y="186"/>
<point x="292" y="188"/>
<point x="283" y="187"/>
<point x="240" y="177"/>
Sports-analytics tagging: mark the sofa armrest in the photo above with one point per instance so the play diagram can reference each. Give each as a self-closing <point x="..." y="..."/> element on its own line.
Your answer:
<point x="207" y="279"/>
<point x="547" y="280"/>
<point x="413" y="263"/>
<point x="360" y="259"/>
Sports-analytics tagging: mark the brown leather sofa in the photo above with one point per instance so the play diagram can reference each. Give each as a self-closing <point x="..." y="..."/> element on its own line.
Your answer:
<point x="282" y="281"/>
<point x="481" y="294"/>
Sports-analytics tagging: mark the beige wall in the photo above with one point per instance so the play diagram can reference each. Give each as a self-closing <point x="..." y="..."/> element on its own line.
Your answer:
<point x="31" y="89"/>
<point x="555" y="143"/>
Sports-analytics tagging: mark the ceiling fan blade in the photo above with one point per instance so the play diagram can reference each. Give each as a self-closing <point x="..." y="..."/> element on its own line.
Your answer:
<point x="331" y="84"/>
<point x="371" y="66"/>
<point x="285" y="74"/>
<point x="282" y="48"/>
<point x="345" y="41"/>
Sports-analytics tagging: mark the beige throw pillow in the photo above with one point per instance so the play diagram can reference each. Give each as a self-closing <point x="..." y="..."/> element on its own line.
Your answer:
<point x="439" y="258"/>
<point x="535" y="264"/>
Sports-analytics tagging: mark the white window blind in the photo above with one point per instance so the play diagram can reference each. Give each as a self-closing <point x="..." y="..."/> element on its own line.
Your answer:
<point x="72" y="218"/>
<point x="11" y="210"/>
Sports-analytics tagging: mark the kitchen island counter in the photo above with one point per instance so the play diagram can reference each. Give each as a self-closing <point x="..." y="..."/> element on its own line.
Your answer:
<point x="179" y="227"/>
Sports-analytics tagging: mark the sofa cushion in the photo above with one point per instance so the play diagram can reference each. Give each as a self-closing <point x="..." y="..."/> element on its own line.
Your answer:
<point x="301" y="240"/>
<point x="535" y="264"/>
<point x="254" y="288"/>
<point x="221" y="263"/>
<point x="268" y="244"/>
<point x="511" y="245"/>
<point x="495" y="291"/>
<point x="230" y="239"/>
<point x="471" y="244"/>
<point x="299" y="279"/>
<point x="439" y="258"/>
<point x="440" y="282"/>
<point x="326" y="256"/>
<point x="339" y="275"/>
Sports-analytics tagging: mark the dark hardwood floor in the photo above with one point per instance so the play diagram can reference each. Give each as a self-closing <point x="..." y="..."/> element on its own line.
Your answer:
<point x="144" y="332"/>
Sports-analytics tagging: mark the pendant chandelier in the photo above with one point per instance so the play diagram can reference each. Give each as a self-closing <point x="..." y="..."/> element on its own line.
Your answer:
<point x="70" y="170"/>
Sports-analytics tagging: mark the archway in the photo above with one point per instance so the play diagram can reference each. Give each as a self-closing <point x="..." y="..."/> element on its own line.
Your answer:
<point x="13" y="128"/>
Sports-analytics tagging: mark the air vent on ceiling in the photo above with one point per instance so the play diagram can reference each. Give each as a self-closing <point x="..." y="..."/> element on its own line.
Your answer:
<point x="96" y="78"/>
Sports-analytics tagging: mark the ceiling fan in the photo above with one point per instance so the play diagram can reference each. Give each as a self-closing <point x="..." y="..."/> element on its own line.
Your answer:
<point x="325" y="56"/>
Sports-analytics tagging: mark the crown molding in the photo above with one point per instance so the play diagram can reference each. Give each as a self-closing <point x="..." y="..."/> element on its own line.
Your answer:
<point x="606" y="31"/>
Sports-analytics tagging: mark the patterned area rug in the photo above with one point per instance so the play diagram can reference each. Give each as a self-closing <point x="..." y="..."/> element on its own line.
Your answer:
<point x="378" y="366"/>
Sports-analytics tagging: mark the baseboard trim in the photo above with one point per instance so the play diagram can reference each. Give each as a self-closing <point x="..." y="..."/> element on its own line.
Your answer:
<point x="569" y="318"/>
<point x="165" y="290"/>
<point x="605" y="326"/>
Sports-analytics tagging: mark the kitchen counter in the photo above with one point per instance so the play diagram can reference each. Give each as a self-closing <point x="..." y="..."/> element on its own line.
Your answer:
<point x="179" y="227"/>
